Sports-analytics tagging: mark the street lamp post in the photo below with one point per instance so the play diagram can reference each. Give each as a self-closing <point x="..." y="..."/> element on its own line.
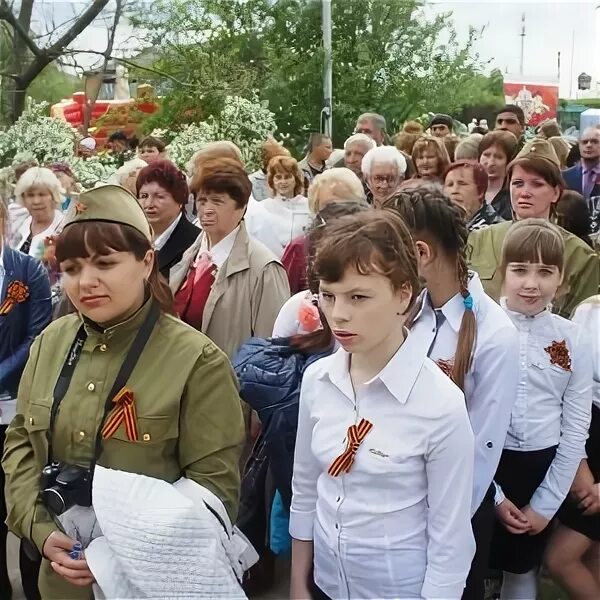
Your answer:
<point x="327" y="110"/>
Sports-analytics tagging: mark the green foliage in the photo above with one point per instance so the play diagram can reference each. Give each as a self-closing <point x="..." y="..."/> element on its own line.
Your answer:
<point x="53" y="85"/>
<point x="387" y="57"/>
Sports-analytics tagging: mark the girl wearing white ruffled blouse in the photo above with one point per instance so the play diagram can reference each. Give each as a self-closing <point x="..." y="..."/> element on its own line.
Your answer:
<point x="383" y="467"/>
<point x="551" y="415"/>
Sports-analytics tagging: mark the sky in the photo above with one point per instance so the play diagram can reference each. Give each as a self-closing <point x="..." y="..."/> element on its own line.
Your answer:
<point x="549" y="28"/>
<point x="571" y="27"/>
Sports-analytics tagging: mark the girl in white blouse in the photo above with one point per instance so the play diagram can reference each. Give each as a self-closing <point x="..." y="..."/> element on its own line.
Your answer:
<point x="573" y="555"/>
<point x="471" y="338"/>
<point x="549" y="423"/>
<point x="384" y="453"/>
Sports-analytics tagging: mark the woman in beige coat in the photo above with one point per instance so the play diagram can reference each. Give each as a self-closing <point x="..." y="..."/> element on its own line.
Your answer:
<point x="227" y="285"/>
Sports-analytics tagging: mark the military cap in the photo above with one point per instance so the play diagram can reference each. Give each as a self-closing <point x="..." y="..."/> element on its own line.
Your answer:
<point x="539" y="148"/>
<point x="111" y="204"/>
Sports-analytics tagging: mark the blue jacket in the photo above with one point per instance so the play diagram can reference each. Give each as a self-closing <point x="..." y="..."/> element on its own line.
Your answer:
<point x="574" y="179"/>
<point x="270" y="372"/>
<point x="25" y="320"/>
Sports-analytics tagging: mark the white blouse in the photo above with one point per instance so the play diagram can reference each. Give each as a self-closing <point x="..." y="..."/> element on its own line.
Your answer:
<point x="554" y="400"/>
<point x="282" y="219"/>
<point x="36" y="248"/>
<point x="490" y="383"/>
<point x="587" y="315"/>
<point x="397" y="525"/>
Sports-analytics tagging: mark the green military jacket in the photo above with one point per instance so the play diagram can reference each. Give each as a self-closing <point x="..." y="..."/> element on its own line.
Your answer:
<point x="189" y="419"/>
<point x="582" y="266"/>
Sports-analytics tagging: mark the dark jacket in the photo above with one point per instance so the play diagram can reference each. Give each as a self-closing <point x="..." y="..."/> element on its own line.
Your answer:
<point x="24" y="320"/>
<point x="574" y="179"/>
<point x="183" y="236"/>
<point x="483" y="218"/>
<point x="270" y="373"/>
<point x="502" y="205"/>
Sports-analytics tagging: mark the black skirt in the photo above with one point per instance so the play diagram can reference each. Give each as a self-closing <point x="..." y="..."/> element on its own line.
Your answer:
<point x="571" y="516"/>
<point x="519" y="475"/>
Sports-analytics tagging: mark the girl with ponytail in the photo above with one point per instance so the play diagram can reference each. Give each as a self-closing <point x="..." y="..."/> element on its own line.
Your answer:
<point x="470" y="338"/>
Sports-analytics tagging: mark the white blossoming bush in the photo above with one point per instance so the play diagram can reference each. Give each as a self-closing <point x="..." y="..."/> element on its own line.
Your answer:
<point x="190" y="139"/>
<point x="245" y="122"/>
<point x="93" y="170"/>
<point x="36" y="135"/>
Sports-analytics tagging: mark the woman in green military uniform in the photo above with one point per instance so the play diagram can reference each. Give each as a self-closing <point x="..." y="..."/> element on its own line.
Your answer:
<point x="536" y="185"/>
<point x="125" y="385"/>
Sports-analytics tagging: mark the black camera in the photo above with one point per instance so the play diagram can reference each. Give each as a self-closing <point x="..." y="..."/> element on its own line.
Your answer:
<point x="64" y="486"/>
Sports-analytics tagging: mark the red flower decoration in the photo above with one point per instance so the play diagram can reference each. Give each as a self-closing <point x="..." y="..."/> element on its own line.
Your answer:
<point x="559" y="354"/>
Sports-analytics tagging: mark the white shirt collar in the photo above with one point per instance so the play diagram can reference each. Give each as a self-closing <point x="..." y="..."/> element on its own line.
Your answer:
<point x="161" y="240"/>
<point x="398" y="376"/>
<point x="454" y="308"/>
<point x="220" y="252"/>
<point x="520" y="316"/>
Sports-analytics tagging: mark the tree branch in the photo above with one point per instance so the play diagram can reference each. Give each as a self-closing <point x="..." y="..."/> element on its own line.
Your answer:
<point x="7" y="15"/>
<point x="130" y="63"/>
<point x="58" y="48"/>
<point x="77" y="28"/>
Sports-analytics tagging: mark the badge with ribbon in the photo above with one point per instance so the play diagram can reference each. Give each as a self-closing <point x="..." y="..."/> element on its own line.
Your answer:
<point x="123" y="412"/>
<point x="16" y="293"/>
<point x="559" y="354"/>
<point x="356" y="435"/>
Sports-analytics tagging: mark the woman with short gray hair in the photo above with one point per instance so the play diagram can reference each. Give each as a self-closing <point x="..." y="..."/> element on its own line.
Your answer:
<point x="39" y="191"/>
<point x="383" y="169"/>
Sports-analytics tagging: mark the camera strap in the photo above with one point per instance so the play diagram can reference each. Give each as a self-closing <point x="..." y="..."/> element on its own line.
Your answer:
<point x="68" y="368"/>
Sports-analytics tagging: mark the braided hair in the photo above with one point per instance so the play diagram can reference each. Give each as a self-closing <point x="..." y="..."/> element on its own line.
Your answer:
<point x="432" y="218"/>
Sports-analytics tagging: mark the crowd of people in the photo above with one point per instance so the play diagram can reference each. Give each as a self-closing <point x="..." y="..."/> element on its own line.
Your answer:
<point x="381" y="363"/>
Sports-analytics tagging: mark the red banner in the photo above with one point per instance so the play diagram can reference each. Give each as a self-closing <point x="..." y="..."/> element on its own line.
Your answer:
<point x="539" y="101"/>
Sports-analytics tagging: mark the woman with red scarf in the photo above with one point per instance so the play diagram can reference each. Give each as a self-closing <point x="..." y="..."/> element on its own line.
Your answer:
<point x="227" y="285"/>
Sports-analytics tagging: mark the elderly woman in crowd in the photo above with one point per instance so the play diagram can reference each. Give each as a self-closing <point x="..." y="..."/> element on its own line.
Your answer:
<point x="126" y="175"/>
<point x="335" y="185"/>
<point x="468" y="148"/>
<point x="162" y="192"/>
<point x="496" y="150"/>
<point x="383" y="170"/>
<point x="465" y="183"/>
<point x="430" y="158"/>
<point x="39" y="191"/>
<point x="536" y="185"/>
<point x="278" y="220"/>
<point x="260" y="186"/>
<point x="25" y="310"/>
<point x="227" y="285"/>
<point x="68" y="181"/>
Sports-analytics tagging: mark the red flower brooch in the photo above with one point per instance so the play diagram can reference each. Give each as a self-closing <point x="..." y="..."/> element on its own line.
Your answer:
<point x="16" y="293"/>
<point x="559" y="354"/>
